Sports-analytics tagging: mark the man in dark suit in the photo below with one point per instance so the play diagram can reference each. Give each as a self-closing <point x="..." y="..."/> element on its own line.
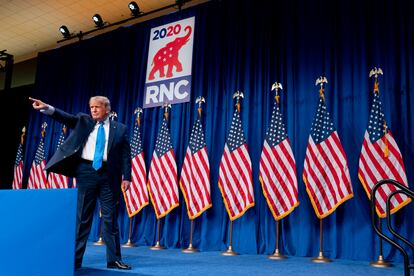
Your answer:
<point x="97" y="153"/>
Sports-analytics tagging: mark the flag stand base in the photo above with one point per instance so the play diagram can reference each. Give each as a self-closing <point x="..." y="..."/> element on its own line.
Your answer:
<point x="157" y="246"/>
<point x="99" y="242"/>
<point x="321" y="259"/>
<point x="129" y="244"/>
<point x="277" y="256"/>
<point x="381" y="263"/>
<point x="190" y="249"/>
<point x="230" y="252"/>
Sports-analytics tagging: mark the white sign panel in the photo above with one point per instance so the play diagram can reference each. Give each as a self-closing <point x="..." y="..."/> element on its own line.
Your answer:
<point x="168" y="78"/>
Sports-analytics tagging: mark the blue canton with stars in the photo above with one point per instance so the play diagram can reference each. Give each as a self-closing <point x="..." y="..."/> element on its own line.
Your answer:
<point x="322" y="126"/>
<point x="236" y="136"/>
<point x="163" y="143"/>
<point x="197" y="140"/>
<point x="136" y="144"/>
<point x="376" y="120"/>
<point x="40" y="153"/>
<point x="19" y="156"/>
<point x="276" y="132"/>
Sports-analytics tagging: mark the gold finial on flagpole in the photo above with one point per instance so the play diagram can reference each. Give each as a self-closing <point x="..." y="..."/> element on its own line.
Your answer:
<point x="320" y="81"/>
<point x="138" y="111"/>
<point x="113" y="115"/>
<point x="376" y="72"/>
<point x="200" y="100"/>
<point x="22" y="135"/>
<point x="166" y="106"/>
<point x="237" y="95"/>
<point x="276" y="86"/>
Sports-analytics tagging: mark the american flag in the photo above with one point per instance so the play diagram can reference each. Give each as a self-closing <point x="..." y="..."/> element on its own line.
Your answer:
<point x="37" y="177"/>
<point x="18" y="169"/>
<point x="136" y="197"/>
<point x="162" y="179"/>
<point x="235" y="173"/>
<point x="326" y="173"/>
<point x="195" y="174"/>
<point x="381" y="159"/>
<point x="59" y="181"/>
<point x="277" y="169"/>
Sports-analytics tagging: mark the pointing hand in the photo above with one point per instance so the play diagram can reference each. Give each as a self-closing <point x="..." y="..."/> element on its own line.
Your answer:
<point x="38" y="104"/>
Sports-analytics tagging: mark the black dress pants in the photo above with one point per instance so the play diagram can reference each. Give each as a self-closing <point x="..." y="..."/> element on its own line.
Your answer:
<point x="93" y="185"/>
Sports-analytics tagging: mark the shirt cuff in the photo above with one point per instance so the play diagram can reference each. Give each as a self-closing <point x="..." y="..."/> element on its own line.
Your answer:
<point x="49" y="110"/>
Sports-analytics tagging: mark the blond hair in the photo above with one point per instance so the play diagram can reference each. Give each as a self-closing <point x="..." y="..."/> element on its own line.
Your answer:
<point x="103" y="100"/>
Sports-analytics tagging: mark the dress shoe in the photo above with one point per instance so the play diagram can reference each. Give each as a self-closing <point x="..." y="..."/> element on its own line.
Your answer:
<point x="118" y="265"/>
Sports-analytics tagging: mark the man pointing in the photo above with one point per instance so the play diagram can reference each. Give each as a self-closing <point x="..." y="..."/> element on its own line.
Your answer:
<point x="98" y="154"/>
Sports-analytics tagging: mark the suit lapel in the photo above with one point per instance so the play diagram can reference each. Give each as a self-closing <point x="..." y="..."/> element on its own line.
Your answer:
<point x="112" y="130"/>
<point x="90" y="126"/>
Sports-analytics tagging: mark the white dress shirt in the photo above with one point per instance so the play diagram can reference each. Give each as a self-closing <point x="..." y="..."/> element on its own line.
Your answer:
<point x="89" y="148"/>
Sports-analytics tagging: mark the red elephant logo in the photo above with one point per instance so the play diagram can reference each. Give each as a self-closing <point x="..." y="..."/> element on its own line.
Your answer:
<point x="168" y="56"/>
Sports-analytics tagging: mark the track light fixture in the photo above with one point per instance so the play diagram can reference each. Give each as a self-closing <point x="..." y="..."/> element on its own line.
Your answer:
<point x="100" y="24"/>
<point x="180" y="3"/>
<point x="98" y="20"/>
<point x="133" y="6"/>
<point x="64" y="31"/>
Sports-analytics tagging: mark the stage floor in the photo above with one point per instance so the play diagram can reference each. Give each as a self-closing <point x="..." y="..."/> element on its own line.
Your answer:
<point x="173" y="262"/>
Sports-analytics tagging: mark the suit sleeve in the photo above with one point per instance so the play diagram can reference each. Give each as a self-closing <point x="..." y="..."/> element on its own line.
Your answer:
<point x="65" y="118"/>
<point x="126" y="157"/>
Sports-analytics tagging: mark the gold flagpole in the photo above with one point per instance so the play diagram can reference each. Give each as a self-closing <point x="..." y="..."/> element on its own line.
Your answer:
<point x="100" y="240"/>
<point x="321" y="258"/>
<point x="381" y="263"/>
<point x="190" y="248"/>
<point x="276" y="255"/>
<point x="129" y="242"/>
<point x="157" y="245"/>
<point x="375" y="72"/>
<point x="229" y="251"/>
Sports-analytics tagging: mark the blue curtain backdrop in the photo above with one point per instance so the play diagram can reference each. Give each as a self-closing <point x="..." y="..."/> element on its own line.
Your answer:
<point x="245" y="45"/>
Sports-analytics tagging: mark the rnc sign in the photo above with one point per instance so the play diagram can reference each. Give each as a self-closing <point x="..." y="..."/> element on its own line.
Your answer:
<point x="170" y="54"/>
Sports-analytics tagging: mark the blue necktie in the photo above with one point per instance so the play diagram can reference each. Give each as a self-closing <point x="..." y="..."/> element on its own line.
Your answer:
<point x="99" y="147"/>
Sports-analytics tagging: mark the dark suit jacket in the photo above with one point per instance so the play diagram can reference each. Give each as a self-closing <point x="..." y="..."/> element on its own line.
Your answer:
<point x="66" y="159"/>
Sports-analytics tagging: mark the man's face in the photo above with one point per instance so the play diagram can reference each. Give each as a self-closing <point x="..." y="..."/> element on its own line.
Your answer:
<point x="98" y="110"/>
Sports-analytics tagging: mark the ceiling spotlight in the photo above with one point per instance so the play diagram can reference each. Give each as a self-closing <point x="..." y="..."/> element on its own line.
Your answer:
<point x="65" y="31"/>
<point x="133" y="6"/>
<point x="98" y="20"/>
